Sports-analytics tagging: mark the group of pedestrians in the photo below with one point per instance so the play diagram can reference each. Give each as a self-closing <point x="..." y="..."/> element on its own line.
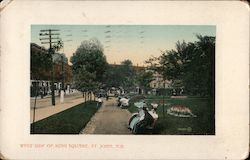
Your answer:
<point x="99" y="99"/>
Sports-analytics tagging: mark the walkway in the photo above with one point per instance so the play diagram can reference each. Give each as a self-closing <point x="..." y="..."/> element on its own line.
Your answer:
<point x="109" y="119"/>
<point x="44" y="108"/>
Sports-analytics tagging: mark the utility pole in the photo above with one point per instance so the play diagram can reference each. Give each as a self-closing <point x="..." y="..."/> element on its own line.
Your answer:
<point x="49" y="36"/>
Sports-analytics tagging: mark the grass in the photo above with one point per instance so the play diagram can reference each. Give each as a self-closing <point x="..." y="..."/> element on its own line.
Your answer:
<point x="203" y="124"/>
<point x="70" y="121"/>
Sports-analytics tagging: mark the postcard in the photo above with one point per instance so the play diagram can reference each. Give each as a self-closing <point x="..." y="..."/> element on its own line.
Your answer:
<point x="124" y="80"/>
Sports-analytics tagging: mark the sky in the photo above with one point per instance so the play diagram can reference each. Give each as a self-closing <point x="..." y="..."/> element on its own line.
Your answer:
<point x="134" y="42"/>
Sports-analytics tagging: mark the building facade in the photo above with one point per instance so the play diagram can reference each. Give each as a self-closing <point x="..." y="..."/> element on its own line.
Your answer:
<point x="159" y="82"/>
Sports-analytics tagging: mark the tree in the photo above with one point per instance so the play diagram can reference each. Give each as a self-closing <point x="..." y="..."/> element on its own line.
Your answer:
<point x="58" y="46"/>
<point x="128" y="74"/>
<point x="112" y="76"/>
<point x="144" y="78"/>
<point x="204" y="58"/>
<point x="85" y="81"/>
<point x="59" y="58"/>
<point x="89" y="64"/>
<point x="153" y="64"/>
<point x="90" y="55"/>
<point x="122" y="75"/>
<point x="127" y="63"/>
<point x="191" y="65"/>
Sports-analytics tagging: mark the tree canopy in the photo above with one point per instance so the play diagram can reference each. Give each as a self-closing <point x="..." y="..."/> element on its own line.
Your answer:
<point x="85" y="81"/>
<point x="89" y="64"/>
<point x="144" y="78"/>
<point x="189" y="65"/>
<point x="122" y="75"/>
<point x="90" y="56"/>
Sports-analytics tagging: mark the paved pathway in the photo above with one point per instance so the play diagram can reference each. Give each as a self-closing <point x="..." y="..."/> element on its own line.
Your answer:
<point x="109" y="119"/>
<point x="45" y="109"/>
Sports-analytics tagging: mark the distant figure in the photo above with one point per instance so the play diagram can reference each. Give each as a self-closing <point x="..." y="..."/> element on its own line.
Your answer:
<point x="181" y="92"/>
<point x="41" y="92"/>
<point x="99" y="101"/>
<point x="107" y="96"/>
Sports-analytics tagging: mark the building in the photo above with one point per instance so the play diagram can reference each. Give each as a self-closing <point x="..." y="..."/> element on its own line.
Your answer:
<point x="40" y="71"/>
<point x="43" y="88"/>
<point x="159" y="82"/>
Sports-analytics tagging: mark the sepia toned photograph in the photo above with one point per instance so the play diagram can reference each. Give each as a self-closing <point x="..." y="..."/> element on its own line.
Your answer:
<point x="122" y="79"/>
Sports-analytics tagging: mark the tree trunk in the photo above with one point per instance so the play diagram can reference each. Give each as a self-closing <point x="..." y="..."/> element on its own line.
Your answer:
<point x="85" y="96"/>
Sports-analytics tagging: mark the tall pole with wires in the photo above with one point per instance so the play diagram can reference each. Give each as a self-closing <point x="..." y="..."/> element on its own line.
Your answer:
<point x="48" y="35"/>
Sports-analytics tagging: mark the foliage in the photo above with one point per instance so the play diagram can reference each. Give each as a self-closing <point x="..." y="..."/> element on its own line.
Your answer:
<point x="122" y="75"/>
<point x="144" y="78"/>
<point x="112" y="76"/>
<point x="85" y="81"/>
<point x="70" y="121"/>
<point x="59" y="45"/>
<point x="59" y="58"/>
<point x="89" y="64"/>
<point x="191" y="65"/>
<point x="153" y="63"/>
<point x="128" y="74"/>
<point x="127" y="62"/>
<point x="90" y="56"/>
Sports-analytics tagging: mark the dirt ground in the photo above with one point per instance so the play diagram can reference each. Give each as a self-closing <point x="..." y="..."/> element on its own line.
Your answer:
<point x="109" y="119"/>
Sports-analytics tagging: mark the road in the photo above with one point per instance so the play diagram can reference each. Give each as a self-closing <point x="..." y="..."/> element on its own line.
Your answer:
<point x="109" y="119"/>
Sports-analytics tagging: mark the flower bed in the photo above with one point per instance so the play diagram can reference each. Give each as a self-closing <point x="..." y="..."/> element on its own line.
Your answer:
<point x="180" y="111"/>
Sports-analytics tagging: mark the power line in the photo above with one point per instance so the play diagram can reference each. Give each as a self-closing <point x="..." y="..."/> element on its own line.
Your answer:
<point x="49" y="33"/>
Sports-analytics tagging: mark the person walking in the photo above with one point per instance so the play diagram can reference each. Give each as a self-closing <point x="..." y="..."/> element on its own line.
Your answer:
<point x="107" y="96"/>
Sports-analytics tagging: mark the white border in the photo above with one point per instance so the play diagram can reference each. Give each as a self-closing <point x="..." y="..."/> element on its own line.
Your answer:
<point x="232" y="57"/>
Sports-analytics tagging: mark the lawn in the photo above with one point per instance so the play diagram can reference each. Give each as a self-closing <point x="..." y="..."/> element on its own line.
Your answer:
<point x="69" y="121"/>
<point x="203" y="108"/>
